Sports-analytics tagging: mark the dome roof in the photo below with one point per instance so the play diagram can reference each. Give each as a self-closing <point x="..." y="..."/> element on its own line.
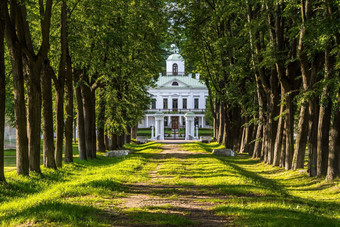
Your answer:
<point x="175" y="57"/>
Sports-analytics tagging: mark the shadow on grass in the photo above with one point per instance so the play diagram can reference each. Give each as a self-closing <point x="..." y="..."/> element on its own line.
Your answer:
<point x="35" y="183"/>
<point x="59" y="213"/>
<point x="106" y="185"/>
<point x="275" y="216"/>
<point x="145" y="218"/>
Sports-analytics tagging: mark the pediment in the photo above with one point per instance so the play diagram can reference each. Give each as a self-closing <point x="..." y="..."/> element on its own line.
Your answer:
<point x="175" y="83"/>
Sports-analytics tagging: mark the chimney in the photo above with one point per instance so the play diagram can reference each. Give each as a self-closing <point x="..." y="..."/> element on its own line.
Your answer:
<point x="197" y="76"/>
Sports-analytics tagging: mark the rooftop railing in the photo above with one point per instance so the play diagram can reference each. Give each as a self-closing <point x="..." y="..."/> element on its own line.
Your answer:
<point x="176" y="111"/>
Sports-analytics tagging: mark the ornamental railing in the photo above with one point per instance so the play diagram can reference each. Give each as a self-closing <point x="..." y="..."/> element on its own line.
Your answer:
<point x="176" y="111"/>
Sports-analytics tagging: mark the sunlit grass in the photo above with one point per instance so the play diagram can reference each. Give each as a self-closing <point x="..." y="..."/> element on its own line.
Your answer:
<point x="244" y="191"/>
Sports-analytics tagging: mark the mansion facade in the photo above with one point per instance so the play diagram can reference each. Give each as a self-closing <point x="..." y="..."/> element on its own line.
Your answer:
<point x="175" y="97"/>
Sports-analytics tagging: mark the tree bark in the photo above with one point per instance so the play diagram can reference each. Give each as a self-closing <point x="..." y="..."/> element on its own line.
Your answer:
<point x="69" y="88"/>
<point x="34" y="116"/>
<point x="221" y="118"/>
<point x="69" y="111"/>
<point x="312" y="137"/>
<point x="301" y="139"/>
<point x="3" y="6"/>
<point x="324" y="119"/>
<point x="289" y="131"/>
<point x="259" y="133"/>
<point x="283" y="149"/>
<point x="48" y="132"/>
<point x="88" y="116"/>
<point x="101" y="122"/>
<point x="334" y="148"/>
<point x="93" y="123"/>
<point x="128" y="135"/>
<point x="279" y="134"/>
<point x="22" y="160"/>
<point x="80" y="119"/>
<point x="134" y="131"/>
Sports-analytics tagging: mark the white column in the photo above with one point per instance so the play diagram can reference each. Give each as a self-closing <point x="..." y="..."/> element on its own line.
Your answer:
<point x="152" y="132"/>
<point x="202" y="122"/>
<point x="146" y="121"/>
<point x="189" y="126"/>
<point x="196" y="137"/>
<point x="159" y="126"/>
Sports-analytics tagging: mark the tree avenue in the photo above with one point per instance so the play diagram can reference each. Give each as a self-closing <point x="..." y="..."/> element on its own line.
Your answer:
<point x="76" y="64"/>
<point x="272" y="69"/>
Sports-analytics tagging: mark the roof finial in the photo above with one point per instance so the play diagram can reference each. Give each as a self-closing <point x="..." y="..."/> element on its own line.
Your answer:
<point x="174" y="49"/>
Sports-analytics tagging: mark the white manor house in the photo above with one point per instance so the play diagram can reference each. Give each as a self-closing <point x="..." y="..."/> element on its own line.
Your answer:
<point x="178" y="103"/>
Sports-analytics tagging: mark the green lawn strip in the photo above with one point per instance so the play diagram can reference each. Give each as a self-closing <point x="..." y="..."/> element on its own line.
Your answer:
<point x="10" y="154"/>
<point x="198" y="147"/>
<point x="39" y="198"/>
<point x="257" y="194"/>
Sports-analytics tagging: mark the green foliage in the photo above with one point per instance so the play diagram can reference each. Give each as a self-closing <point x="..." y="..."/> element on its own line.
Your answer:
<point x="118" y="45"/>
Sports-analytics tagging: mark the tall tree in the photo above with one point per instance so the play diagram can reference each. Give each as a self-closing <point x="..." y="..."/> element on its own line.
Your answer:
<point x="14" y="42"/>
<point x="2" y="87"/>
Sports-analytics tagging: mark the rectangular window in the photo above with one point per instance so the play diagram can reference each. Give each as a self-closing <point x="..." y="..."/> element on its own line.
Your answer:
<point x="185" y="104"/>
<point x="175" y="104"/>
<point x="196" y="106"/>
<point x="165" y="104"/>
<point x="153" y="104"/>
<point x="165" y="121"/>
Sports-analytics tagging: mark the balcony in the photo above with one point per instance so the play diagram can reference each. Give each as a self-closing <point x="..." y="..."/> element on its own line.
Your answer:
<point x="175" y="111"/>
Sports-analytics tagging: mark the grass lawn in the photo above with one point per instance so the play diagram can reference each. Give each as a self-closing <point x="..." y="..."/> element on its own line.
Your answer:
<point x="243" y="191"/>
<point x="11" y="153"/>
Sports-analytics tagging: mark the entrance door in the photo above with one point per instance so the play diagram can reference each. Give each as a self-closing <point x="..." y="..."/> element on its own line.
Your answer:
<point x="175" y="104"/>
<point x="174" y="122"/>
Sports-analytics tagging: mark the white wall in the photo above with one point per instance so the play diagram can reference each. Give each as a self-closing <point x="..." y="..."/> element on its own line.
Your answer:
<point x="189" y="94"/>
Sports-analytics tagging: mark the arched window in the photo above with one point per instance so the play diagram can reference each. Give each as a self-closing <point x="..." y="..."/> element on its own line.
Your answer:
<point x="174" y="83"/>
<point x="175" y="69"/>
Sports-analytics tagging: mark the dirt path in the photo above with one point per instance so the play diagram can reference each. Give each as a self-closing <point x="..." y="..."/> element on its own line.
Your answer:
<point x="187" y="201"/>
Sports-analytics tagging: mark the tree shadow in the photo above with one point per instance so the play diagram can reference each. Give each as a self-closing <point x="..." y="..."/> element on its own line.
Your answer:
<point x="275" y="216"/>
<point x="59" y="213"/>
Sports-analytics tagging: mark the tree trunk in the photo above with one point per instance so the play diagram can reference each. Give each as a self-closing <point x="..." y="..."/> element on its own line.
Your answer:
<point x="244" y="129"/>
<point x="86" y="96"/>
<point x="323" y="138"/>
<point x="334" y="148"/>
<point x="101" y="122"/>
<point x="324" y="119"/>
<point x="3" y="6"/>
<point x="48" y="132"/>
<point x="34" y="116"/>
<point x="312" y="137"/>
<point x="22" y="160"/>
<point x="289" y="132"/>
<point x="15" y="50"/>
<point x="69" y="111"/>
<point x="93" y="123"/>
<point x="279" y="135"/>
<point x="128" y="135"/>
<point x="134" y="131"/>
<point x="80" y="120"/>
<point x="221" y="118"/>
<point x="113" y="142"/>
<point x="301" y="139"/>
<point x="283" y="149"/>
<point x="69" y="88"/>
<point x="259" y="133"/>
<point x="59" y="122"/>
